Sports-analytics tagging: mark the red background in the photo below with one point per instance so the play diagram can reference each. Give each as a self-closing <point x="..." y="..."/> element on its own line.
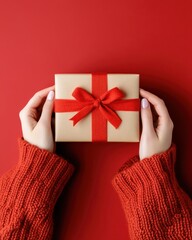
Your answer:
<point x="41" y="38"/>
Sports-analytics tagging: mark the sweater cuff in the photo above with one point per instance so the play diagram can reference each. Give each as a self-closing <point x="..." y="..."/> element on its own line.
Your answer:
<point x="42" y="175"/>
<point x="136" y="174"/>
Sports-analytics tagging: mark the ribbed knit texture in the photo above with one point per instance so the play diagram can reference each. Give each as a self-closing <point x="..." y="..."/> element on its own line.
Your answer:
<point x="28" y="193"/>
<point x="155" y="206"/>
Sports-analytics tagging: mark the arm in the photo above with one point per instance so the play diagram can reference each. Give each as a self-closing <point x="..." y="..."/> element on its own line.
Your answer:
<point x="29" y="191"/>
<point x="154" y="204"/>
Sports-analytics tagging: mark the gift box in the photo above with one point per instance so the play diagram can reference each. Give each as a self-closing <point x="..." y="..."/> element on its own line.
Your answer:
<point x="97" y="108"/>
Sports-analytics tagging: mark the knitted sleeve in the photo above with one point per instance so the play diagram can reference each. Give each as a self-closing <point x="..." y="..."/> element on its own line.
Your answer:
<point x="154" y="204"/>
<point x="29" y="191"/>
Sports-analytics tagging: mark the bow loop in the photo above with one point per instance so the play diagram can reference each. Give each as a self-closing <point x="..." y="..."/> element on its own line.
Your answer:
<point x="82" y="95"/>
<point x="112" y="95"/>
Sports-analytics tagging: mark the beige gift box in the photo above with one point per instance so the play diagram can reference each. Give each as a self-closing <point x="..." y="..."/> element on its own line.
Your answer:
<point x="65" y="131"/>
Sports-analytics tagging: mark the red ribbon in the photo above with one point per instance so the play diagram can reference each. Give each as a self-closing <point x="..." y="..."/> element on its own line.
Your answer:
<point x="107" y="103"/>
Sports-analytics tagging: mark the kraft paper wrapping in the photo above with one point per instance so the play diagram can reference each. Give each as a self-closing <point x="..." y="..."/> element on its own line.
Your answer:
<point x="128" y="131"/>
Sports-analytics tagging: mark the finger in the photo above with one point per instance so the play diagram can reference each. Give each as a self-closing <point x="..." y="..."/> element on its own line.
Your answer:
<point x="159" y="106"/>
<point x="38" y="97"/>
<point x="147" y="117"/>
<point x="47" y="110"/>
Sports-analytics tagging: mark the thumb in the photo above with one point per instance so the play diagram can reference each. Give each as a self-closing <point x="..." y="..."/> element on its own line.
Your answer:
<point x="146" y="116"/>
<point x="48" y="108"/>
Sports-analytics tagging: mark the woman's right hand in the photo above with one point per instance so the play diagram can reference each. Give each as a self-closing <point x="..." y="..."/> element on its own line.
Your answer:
<point x="154" y="139"/>
<point x="36" y="118"/>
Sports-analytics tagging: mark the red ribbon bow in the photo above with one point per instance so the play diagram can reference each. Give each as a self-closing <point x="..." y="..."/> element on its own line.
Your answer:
<point x="107" y="104"/>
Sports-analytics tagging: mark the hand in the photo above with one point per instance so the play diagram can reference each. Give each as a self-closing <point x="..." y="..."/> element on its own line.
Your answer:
<point x="154" y="138"/>
<point x="36" y="120"/>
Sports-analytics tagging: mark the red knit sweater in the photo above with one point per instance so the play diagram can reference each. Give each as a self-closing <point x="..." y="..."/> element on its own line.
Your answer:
<point x="155" y="206"/>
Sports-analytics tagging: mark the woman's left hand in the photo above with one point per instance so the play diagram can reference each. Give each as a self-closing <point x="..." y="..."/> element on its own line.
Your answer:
<point x="36" y="119"/>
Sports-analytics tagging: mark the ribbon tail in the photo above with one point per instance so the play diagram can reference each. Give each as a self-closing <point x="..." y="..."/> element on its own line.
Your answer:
<point x="81" y="114"/>
<point x="110" y="115"/>
<point x="82" y="95"/>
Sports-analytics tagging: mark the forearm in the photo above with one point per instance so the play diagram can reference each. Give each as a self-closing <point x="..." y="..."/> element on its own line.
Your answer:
<point x="154" y="204"/>
<point x="29" y="193"/>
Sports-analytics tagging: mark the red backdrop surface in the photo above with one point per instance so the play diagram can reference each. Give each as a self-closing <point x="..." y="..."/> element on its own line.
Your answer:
<point x="41" y="38"/>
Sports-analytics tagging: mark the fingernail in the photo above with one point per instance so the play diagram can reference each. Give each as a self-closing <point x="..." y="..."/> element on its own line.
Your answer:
<point x="144" y="103"/>
<point x="50" y="95"/>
